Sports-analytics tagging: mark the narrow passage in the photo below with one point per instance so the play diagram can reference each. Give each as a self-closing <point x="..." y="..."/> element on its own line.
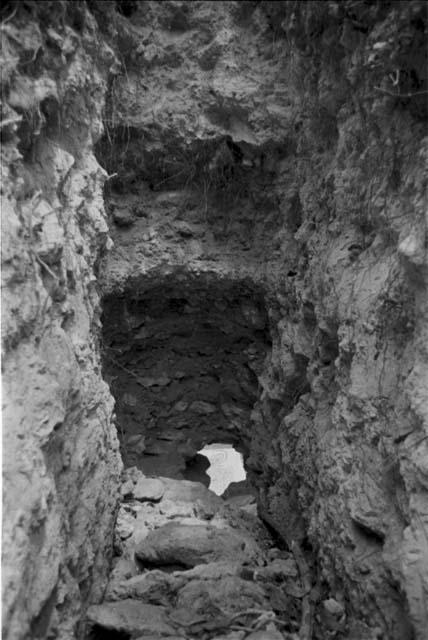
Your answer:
<point x="191" y="564"/>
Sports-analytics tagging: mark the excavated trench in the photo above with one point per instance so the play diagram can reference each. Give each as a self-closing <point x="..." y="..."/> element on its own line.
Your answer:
<point x="260" y="267"/>
<point x="184" y="356"/>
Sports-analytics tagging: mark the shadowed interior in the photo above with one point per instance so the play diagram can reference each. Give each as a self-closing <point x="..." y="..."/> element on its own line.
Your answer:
<point x="182" y="359"/>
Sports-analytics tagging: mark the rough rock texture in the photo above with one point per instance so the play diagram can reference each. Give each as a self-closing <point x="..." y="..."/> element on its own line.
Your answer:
<point x="191" y="545"/>
<point x="61" y="462"/>
<point x="282" y="145"/>
<point x="267" y="184"/>
<point x="238" y="580"/>
<point x="130" y="617"/>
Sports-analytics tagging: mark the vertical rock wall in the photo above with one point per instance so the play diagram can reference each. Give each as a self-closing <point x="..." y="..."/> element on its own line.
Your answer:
<point x="61" y="460"/>
<point x="351" y="456"/>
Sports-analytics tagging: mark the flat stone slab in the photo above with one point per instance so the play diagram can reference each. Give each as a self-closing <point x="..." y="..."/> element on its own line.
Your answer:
<point x="194" y="494"/>
<point x="149" y="489"/>
<point x="130" y="616"/>
<point x="228" y="594"/>
<point x="192" y="544"/>
<point x="156" y="587"/>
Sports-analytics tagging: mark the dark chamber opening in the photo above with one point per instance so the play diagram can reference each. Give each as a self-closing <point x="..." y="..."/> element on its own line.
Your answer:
<point x="182" y="359"/>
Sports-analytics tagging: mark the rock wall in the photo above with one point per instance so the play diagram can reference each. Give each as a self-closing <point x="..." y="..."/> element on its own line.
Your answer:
<point x="283" y="143"/>
<point x="61" y="462"/>
<point x="277" y="144"/>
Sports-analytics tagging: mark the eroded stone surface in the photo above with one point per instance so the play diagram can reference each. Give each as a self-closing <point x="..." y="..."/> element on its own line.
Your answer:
<point x="192" y="544"/>
<point x="270" y="189"/>
<point x="130" y="616"/>
<point x="61" y="463"/>
<point x="197" y="577"/>
<point x="148" y="489"/>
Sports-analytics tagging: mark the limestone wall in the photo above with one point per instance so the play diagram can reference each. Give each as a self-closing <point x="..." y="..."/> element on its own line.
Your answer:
<point x="60" y="451"/>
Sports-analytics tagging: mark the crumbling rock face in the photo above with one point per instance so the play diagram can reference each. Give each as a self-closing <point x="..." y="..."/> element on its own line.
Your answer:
<point x="265" y="186"/>
<point x="61" y="462"/>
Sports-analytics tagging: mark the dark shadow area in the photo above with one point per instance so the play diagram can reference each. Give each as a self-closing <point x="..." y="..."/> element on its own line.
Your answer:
<point x="100" y="633"/>
<point x="196" y="470"/>
<point x="182" y="359"/>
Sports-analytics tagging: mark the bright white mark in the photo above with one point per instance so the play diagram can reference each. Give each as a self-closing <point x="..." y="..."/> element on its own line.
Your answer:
<point x="226" y="466"/>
